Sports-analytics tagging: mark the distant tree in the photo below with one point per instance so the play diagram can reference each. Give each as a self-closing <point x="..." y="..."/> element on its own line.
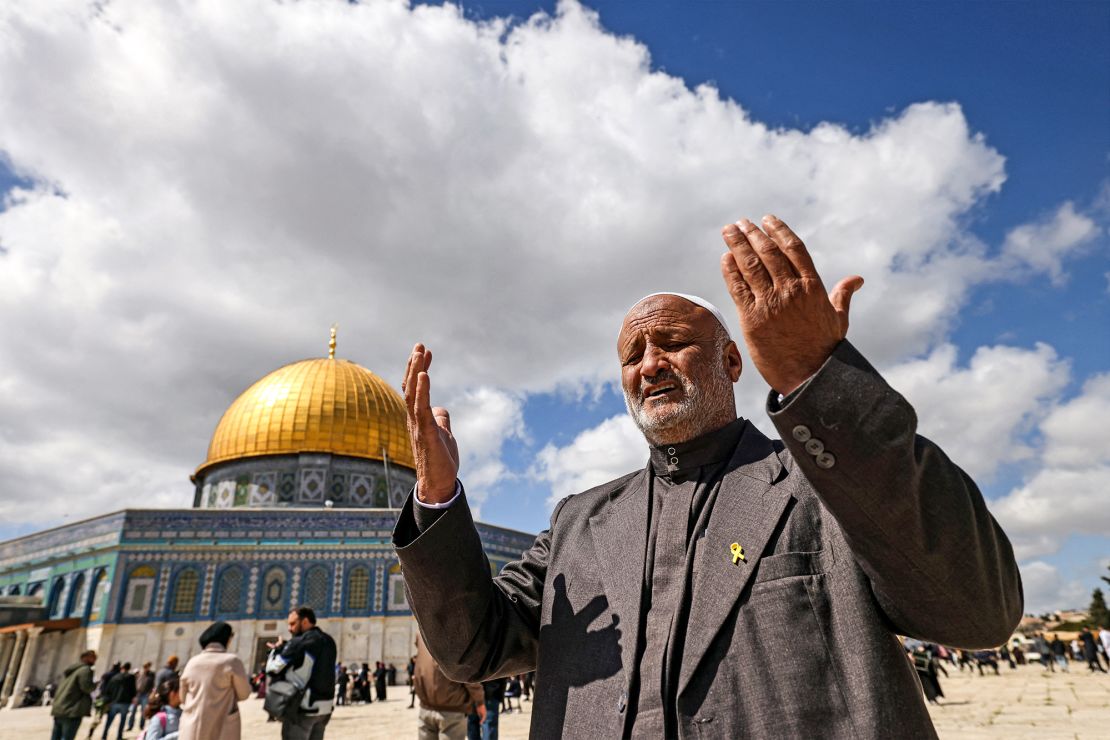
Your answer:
<point x="1099" y="614"/>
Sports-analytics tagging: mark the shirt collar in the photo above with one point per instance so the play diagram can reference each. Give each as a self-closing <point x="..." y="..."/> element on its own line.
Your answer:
<point x="708" y="449"/>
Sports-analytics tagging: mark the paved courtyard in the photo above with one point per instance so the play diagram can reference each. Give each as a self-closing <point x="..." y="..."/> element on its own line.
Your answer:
<point x="1025" y="703"/>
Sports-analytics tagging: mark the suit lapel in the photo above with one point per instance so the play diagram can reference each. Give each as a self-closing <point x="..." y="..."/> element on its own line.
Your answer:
<point x="747" y="510"/>
<point x="619" y="535"/>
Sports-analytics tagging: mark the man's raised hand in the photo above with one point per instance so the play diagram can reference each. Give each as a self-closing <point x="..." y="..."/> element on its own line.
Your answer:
<point x="790" y="324"/>
<point x="433" y="445"/>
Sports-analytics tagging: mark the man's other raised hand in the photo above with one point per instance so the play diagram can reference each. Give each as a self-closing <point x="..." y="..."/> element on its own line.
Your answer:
<point x="433" y="445"/>
<point x="790" y="324"/>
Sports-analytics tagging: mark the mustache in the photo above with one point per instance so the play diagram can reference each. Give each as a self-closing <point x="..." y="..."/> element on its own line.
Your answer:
<point x="661" y="377"/>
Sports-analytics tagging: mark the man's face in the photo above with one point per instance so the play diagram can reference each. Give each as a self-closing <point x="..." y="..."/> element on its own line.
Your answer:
<point x="90" y="659"/>
<point x="298" y="625"/>
<point x="677" y="377"/>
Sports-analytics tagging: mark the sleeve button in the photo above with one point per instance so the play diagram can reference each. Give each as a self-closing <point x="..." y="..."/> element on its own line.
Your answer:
<point x="801" y="433"/>
<point x="825" y="460"/>
<point x="815" y="446"/>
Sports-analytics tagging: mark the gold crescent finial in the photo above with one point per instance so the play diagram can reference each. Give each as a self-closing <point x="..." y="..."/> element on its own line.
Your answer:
<point x="331" y="342"/>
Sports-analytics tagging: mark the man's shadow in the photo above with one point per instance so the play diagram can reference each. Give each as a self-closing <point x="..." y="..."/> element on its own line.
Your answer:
<point x="573" y="655"/>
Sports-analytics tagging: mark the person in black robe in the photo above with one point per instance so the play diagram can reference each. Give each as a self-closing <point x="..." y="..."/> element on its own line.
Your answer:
<point x="364" y="684"/>
<point x="380" y="674"/>
<point x="925" y="666"/>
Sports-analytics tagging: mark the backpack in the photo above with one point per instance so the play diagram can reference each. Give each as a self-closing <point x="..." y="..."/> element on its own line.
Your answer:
<point x="161" y="717"/>
<point x="283" y="699"/>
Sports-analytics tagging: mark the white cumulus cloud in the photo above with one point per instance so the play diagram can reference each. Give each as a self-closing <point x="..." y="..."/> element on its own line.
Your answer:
<point x="599" y="454"/>
<point x="215" y="183"/>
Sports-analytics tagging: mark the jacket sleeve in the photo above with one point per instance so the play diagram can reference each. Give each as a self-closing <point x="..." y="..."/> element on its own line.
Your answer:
<point x="239" y="681"/>
<point x="940" y="567"/>
<point x="85" y="680"/>
<point x="474" y="625"/>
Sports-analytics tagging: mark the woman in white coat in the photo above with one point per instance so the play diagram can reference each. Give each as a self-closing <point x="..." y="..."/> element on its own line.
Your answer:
<point x="212" y="685"/>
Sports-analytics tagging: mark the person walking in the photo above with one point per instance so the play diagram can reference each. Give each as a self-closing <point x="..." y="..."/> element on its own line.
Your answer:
<point x="212" y="684"/>
<point x="1059" y="652"/>
<point x="1004" y="651"/>
<point x="410" y="669"/>
<point x="144" y="685"/>
<point x="308" y="662"/>
<point x="74" y="698"/>
<point x="120" y="695"/>
<point x="1044" y="652"/>
<point x="166" y="672"/>
<point x="1090" y="650"/>
<point x="341" y="681"/>
<point x="485" y="728"/>
<point x="164" y="712"/>
<point x="444" y="704"/>
<point x="925" y="666"/>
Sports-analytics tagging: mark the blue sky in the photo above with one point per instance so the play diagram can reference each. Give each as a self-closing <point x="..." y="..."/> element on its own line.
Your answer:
<point x="211" y="202"/>
<point x="1033" y="78"/>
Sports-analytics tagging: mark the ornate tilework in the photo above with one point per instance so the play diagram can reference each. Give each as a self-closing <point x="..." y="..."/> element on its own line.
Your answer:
<point x="264" y="490"/>
<point x="312" y="485"/>
<point x="362" y="490"/>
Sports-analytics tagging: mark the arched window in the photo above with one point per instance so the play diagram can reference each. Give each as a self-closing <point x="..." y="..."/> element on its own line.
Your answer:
<point x="99" y="590"/>
<point x="273" y="591"/>
<point x="185" y="593"/>
<point x="140" y="593"/>
<point x="316" y="588"/>
<point x="398" y="599"/>
<point x="77" y="595"/>
<point x="53" y="607"/>
<point x="358" y="589"/>
<point x="34" y="590"/>
<point x="14" y="590"/>
<point x="229" y="591"/>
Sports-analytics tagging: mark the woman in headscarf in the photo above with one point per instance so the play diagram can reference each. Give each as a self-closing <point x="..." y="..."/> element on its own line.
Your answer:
<point x="212" y="685"/>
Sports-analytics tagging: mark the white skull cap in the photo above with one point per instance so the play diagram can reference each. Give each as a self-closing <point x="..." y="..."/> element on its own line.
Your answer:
<point x="698" y="300"/>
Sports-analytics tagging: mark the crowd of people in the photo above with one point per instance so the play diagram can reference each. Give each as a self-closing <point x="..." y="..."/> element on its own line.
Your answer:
<point x="301" y="683"/>
<point x="1049" y="651"/>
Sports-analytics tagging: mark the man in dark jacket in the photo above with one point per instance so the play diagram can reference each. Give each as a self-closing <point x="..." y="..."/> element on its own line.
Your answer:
<point x="145" y="683"/>
<point x="308" y="662"/>
<point x="166" y="672"/>
<point x="120" y="693"/>
<point x="74" y="698"/>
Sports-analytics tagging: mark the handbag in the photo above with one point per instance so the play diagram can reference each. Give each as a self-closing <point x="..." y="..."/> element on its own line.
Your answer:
<point x="283" y="699"/>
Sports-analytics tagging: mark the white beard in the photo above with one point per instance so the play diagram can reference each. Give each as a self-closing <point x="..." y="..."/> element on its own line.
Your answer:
<point x="689" y="417"/>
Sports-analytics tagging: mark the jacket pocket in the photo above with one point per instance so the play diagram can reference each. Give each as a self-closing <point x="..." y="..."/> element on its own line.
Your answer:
<point x="790" y="564"/>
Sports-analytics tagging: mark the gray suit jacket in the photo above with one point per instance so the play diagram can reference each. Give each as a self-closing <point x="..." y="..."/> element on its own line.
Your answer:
<point x="798" y="639"/>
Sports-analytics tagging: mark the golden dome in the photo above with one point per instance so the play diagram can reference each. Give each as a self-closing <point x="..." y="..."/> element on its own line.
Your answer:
<point x="317" y="405"/>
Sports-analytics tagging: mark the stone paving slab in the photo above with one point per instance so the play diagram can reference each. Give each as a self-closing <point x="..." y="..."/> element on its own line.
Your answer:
<point x="1023" y="704"/>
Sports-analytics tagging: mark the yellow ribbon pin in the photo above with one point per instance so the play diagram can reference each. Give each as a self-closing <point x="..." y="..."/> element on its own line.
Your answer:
<point x="737" y="553"/>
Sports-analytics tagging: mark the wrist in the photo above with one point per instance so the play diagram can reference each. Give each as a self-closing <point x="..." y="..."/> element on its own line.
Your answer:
<point x="431" y="495"/>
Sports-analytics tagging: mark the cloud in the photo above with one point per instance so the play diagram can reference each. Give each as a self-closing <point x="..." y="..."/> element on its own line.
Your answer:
<point x="482" y="420"/>
<point x="1075" y="431"/>
<point x="611" y="449"/>
<point x="1043" y="245"/>
<point x="215" y="183"/>
<point x="981" y="414"/>
<point x="1047" y="591"/>
<point x="1066" y="492"/>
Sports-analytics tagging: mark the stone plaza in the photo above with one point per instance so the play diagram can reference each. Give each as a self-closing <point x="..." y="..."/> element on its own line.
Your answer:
<point x="1022" y="703"/>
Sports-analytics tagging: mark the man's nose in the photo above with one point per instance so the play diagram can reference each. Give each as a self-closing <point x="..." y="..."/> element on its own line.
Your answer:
<point x="654" y="361"/>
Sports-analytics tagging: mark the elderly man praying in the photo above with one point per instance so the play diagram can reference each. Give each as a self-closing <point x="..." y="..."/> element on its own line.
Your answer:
<point x="736" y="586"/>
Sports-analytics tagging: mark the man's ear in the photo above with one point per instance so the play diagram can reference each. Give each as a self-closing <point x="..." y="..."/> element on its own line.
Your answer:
<point x="733" y="364"/>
